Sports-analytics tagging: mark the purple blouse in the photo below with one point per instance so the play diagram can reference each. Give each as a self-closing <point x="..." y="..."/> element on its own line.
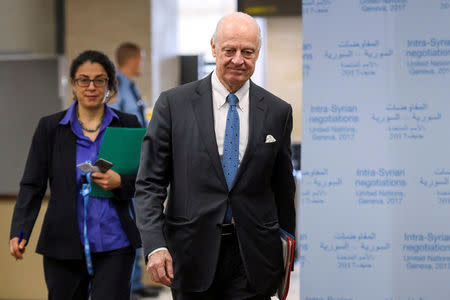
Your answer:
<point x="105" y="231"/>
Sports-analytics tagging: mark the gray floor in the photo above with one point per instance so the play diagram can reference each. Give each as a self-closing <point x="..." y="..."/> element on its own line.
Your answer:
<point x="294" y="290"/>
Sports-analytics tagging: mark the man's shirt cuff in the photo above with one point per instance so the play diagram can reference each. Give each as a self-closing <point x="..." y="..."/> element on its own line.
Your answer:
<point x="156" y="250"/>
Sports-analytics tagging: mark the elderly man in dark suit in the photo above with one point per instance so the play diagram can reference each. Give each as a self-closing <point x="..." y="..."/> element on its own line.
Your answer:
<point x="223" y="145"/>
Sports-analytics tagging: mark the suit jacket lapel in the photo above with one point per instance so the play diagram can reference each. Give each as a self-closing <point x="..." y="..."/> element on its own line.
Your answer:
<point x="115" y="123"/>
<point x="255" y="127"/>
<point x="204" y="116"/>
<point x="65" y="143"/>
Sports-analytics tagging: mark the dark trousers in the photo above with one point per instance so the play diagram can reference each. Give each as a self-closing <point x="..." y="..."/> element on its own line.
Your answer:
<point x="230" y="281"/>
<point x="69" y="279"/>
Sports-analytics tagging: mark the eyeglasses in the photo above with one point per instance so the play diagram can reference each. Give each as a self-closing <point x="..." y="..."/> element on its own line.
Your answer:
<point x="85" y="82"/>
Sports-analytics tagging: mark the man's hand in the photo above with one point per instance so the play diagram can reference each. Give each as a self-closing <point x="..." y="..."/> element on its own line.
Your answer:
<point x="160" y="267"/>
<point x="15" y="249"/>
<point x="108" y="181"/>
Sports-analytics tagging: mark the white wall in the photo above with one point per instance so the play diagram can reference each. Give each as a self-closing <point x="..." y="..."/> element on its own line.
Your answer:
<point x="27" y="26"/>
<point x="164" y="56"/>
<point x="283" y="75"/>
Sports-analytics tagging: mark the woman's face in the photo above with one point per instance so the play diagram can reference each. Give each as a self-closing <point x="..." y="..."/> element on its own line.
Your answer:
<point x="90" y="84"/>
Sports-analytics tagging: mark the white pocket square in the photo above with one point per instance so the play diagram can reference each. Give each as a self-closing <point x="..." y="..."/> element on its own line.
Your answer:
<point x="270" y="139"/>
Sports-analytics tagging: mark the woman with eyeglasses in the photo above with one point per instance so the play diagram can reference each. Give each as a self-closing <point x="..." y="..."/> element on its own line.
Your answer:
<point x="88" y="249"/>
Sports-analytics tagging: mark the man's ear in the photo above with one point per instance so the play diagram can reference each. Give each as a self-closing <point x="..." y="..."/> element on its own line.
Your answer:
<point x="213" y="48"/>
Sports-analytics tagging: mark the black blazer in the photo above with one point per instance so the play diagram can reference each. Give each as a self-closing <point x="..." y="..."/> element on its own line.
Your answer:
<point x="52" y="158"/>
<point x="180" y="149"/>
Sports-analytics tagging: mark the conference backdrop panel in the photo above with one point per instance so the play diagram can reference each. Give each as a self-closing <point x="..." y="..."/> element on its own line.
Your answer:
<point x="375" y="194"/>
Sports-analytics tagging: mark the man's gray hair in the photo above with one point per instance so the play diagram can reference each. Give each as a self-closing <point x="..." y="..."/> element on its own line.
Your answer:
<point x="214" y="37"/>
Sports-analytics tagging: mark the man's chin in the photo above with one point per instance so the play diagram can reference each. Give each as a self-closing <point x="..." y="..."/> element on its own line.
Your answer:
<point x="237" y="80"/>
<point x="236" y="73"/>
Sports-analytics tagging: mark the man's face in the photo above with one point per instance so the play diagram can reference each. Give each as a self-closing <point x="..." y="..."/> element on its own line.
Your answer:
<point x="236" y="51"/>
<point x="137" y="63"/>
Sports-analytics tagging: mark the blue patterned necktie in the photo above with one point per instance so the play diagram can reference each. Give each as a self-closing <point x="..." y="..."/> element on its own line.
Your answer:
<point x="230" y="158"/>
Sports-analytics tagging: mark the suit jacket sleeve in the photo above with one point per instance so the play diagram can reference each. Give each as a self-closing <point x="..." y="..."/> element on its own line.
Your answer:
<point x="126" y="191"/>
<point x="33" y="184"/>
<point x="283" y="183"/>
<point x="154" y="176"/>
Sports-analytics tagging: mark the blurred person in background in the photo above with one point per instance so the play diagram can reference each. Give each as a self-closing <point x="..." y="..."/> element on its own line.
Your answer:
<point x="130" y="59"/>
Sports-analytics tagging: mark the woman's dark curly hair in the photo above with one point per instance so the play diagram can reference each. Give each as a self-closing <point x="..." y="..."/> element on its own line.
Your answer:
<point x="96" y="57"/>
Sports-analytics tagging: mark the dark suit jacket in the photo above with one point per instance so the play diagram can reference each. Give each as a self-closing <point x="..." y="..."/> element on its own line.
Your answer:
<point x="180" y="149"/>
<point x="52" y="158"/>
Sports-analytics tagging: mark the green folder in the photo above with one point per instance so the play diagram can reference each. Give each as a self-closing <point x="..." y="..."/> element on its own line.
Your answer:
<point x="122" y="147"/>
